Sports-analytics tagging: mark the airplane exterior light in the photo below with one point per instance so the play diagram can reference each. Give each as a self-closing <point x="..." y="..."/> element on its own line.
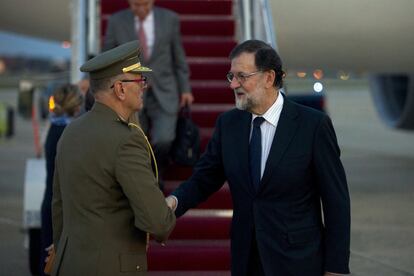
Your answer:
<point x="2" y="66"/>
<point x="318" y="74"/>
<point x="317" y="87"/>
<point x="301" y="74"/>
<point x="51" y="104"/>
<point x="343" y="75"/>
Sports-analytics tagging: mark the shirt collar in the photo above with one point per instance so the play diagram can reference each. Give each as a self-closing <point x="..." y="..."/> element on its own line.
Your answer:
<point x="271" y="114"/>
<point x="149" y="18"/>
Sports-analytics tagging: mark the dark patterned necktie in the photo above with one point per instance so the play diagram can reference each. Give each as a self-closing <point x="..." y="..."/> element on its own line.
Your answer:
<point x="255" y="152"/>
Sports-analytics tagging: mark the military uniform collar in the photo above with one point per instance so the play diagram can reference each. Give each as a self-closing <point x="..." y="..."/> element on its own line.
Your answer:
<point x="109" y="112"/>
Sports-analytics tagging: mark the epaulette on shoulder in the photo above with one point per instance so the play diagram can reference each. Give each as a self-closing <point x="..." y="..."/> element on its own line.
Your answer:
<point x="136" y="126"/>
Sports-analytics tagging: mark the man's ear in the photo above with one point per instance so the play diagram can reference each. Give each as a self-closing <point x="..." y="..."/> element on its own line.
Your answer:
<point x="119" y="91"/>
<point x="270" y="78"/>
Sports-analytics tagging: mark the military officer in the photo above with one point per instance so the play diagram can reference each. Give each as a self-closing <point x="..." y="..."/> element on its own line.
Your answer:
<point x="106" y="199"/>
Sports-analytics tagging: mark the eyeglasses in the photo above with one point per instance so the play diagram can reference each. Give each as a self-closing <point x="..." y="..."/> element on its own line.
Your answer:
<point x="240" y="77"/>
<point x="142" y="80"/>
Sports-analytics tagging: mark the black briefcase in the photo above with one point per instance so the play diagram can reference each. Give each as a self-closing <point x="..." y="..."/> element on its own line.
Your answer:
<point x="186" y="147"/>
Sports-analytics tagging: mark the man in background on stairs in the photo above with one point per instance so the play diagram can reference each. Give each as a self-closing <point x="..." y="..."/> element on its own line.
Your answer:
<point x="106" y="198"/>
<point x="158" y="31"/>
<point x="282" y="163"/>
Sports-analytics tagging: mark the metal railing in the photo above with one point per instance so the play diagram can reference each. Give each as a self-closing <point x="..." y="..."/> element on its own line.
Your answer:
<point x="256" y="21"/>
<point x="85" y="34"/>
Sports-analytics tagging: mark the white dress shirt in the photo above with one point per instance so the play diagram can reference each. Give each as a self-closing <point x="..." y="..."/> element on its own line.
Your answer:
<point x="149" y="28"/>
<point x="268" y="129"/>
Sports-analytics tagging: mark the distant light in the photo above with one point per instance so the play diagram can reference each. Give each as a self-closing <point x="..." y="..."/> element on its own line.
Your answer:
<point x="317" y="87"/>
<point x="318" y="74"/>
<point x="66" y="44"/>
<point x="2" y="66"/>
<point x="25" y="85"/>
<point x="301" y="74"/>
<point x="343" y="75"/>
<point x="51" y="104"/>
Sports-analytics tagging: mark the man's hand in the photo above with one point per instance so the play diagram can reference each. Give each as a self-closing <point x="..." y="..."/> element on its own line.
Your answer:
<point x="171" y="202"/>
<point x="50" y="250"/>
<point x="49" y="259"/>
<point x="186" y="99"/>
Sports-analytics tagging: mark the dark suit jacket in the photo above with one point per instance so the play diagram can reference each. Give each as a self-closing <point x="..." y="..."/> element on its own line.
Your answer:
<point x="303" y="169"/>
<point x="170" y="75"/>
<point x="105" y="198"/>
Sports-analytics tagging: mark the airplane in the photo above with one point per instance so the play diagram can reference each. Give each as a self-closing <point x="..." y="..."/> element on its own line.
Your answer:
<point x="371" y="36"/>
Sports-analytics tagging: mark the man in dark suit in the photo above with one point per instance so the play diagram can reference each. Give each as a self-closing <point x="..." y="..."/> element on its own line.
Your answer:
<point x="282" y="163"/>
<point x="158" y="32"/>
<point x="105" y="194"/>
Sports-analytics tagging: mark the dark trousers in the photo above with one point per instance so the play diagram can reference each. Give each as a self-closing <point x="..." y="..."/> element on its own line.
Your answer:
<point x="160" y="126"/>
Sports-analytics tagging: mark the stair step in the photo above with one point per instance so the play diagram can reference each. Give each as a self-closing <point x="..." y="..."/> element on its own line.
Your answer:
<point x="220" y="200"/>
<point x="179" y="255"/>
<point x="110" y="6"/>
<point x="208" y="46"/>
<point x="212" y="92"/>
<point x="177" y="172"/>
<point x="220" y="7"/>
<point x="206" y="115"/>
<point x="203" y="225"/>
<point x="207" y="25"/>
<point x="209" y="68"/>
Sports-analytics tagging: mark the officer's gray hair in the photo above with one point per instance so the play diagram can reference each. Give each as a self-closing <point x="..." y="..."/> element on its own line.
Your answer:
<point x="101" y="85"/>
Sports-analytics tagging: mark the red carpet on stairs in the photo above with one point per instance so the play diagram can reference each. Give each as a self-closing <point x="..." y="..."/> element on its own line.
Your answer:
<point x="210" y="92"/>
<point x="190" y="255"/>
<point x="219" y="200"/>
<point x="208" y="227"/>
<point x="199" y="245"/>
<point x="208" y="68"/>
<point x="207" y="46"/>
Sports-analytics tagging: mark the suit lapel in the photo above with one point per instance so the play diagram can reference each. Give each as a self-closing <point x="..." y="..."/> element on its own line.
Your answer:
<point x="158" y="27"/>
<point x="130" y="26"/>
<point x="285" y="131"/>
<point x="241" y="130"/>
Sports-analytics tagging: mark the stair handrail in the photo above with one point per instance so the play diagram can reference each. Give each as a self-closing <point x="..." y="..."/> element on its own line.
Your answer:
<point x="257" y="21"/>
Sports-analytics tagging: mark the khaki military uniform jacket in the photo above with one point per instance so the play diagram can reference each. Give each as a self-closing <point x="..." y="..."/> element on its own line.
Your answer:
<point x="105" y="198"/>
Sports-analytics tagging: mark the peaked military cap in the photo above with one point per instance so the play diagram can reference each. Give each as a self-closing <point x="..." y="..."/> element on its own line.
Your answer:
<point x="122" y="59"/>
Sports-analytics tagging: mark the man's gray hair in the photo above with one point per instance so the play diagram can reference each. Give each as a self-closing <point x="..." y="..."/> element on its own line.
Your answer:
<point x="98" y="85"/>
